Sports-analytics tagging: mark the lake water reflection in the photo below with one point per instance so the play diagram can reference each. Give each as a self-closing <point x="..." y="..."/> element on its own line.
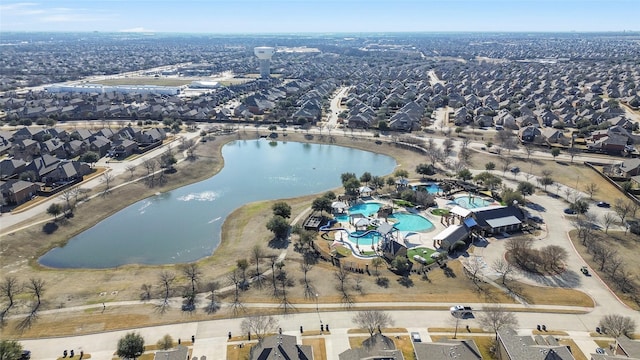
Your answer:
<point x="184" y="225"/>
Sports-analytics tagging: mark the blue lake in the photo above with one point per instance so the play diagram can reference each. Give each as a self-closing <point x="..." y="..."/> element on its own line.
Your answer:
<point x="184" y="225"/>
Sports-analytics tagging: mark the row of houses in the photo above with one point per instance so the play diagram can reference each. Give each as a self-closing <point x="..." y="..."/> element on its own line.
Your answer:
<point x="510" y="346"/>
<point x="28" y="143"/>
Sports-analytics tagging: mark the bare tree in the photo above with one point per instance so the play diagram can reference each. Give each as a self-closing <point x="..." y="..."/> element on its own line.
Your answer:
<point x="343" y="276"/>
<point x="260" y="325"/>
<point x="496" y="318"/>
<point x="607" y="220"/>
<point x="131" y="169"/>
<point x="603" y="253"/>
<point x="504" y="268"/>
<point x="166" y="279"/>
<point x="447" y="146"/>
<point x="554" y="256"/>
<point x="235" y="280"/>
<point x="529" y="150"/>
<point x="273" y="258"/>
<point x="36" y="287"/>
<point x="377" y="262"/>
<point x="474" y="265"/>
<point x="309" y="291"/>
<point x="67" y="195"/>
<point x="146" y="292"/>
<point x="622" y="208"/>
<point x="10" y="287"/>
<point x="506" y="163"/>
<point x="617" y="325"/>
<point x="212" y="287"/>
<point x="194" y="274"/>
<point x="107" y="178"/>
<point x="591" y="188"/>
<point x="372" y="320"/>
<point x="257" y="253"/>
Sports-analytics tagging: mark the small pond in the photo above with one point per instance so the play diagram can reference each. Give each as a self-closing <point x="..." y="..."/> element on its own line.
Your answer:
<point x="184" y="225"/>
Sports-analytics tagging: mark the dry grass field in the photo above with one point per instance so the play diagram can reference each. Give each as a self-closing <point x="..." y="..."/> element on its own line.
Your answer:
<point x="627" y="247"/>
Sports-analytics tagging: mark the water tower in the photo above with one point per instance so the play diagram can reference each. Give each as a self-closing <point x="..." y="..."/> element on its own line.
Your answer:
<point x="264" y="54"/>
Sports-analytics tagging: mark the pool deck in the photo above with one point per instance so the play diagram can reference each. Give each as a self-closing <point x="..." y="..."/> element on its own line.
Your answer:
<point x="412" y="239"/>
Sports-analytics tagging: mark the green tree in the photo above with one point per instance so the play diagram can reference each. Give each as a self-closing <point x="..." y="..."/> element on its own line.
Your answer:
<point x="401" y="264"/>
<point x="365" y="178"/>
<point x="465" y="174"/>
<point x="490" y="166"/>
<point x="377" y="182"/>
<point x="10" y="350"/>
<point x="54" y="210"/>
<point x="278" y="226"/>
<point x="545" y="181"/>
<point x="344" y="177"/>
<point x="351" y="186"/>
<point x="281" y="208"/>
<point x="425" y="169"/>
<point x="90" y="157"/>
<point x="130" y="346"/>
<point x="488" y="179"/>
<point x="321" y="204"/>
<point x="580" y="206"/>
<point x="555" y="152"/>
<point x="509" y="195"/>
<point x="526" y="188"/>
<point x="401" y="173"/>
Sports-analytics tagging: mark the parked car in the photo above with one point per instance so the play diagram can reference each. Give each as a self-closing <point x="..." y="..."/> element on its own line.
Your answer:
<point x="569" y="211"/>
<point x="603" y="204"/>
<point x="26" y="355"/>
<point x="584" y="270"/>
<point x="461" y="312"/>
<point x="600" y="351"/>
<point x="415" y="337"/>
<point x="515" y="169"/>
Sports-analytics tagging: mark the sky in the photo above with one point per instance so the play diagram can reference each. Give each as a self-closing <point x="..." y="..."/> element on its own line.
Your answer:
<point x="320" y="16"/>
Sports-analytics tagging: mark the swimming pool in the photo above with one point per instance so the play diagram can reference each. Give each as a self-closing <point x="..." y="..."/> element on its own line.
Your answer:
<point x="369" y="238"/>
<point x="472" y="202"/>
<point x="366" y="209"/>
<point x="431" y="188"/>
<point x="411" y="222"/>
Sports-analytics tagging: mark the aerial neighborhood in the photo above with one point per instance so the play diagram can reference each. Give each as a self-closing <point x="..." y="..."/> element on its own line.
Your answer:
<point x="363" y="196"/>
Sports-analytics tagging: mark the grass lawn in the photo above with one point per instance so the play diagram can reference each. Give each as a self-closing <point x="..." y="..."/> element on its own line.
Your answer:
<point x="484" y="343"/>
<point x="575" y="350"/>
<point x="421" y="251"/>
<point x="440" y="212"/>
<point x="318" y="346"/>
<point x="235" y="352"/>
<point x="404" y="344"/>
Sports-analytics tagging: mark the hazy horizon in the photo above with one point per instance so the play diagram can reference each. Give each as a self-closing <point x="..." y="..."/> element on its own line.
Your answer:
<point x="320" y="16"/>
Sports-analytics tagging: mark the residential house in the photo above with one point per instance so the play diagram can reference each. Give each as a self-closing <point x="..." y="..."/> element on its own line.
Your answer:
<point x="529" y="134"/>
<point x="630" y="168"/>
<point x="54" y="147"/>
<point x="280" y="347"/>
<point x="151" y="136"/>
<point x="447" y="349"/>
<point x="25" y="133"/>
<point x="16" y="192"/>
<point x="67" y="171"/>
<point x="25" y="149"/>
<point x="511" y="346"/>
<point x="10" y="168"/>
<point x="624" y="348"/>
<point x="75" y="148"/>
<point x="124" y="148"/>
<point x="554" y="136"/>
<point x="178" y="353"/>
<point x="42" y="166"/>
<point x="376" y="347"/>
<point x="612" y="144"/>
<point x="100" y="145"/>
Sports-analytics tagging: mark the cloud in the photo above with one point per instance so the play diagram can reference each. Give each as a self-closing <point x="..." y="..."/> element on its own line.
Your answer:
<point x="139" y="29"/>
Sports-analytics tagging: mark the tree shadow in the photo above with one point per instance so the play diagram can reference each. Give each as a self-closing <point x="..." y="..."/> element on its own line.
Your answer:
<point x="49" y="228"/>
<point x="405" y="281"/>
<point x="276" y="243"/>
